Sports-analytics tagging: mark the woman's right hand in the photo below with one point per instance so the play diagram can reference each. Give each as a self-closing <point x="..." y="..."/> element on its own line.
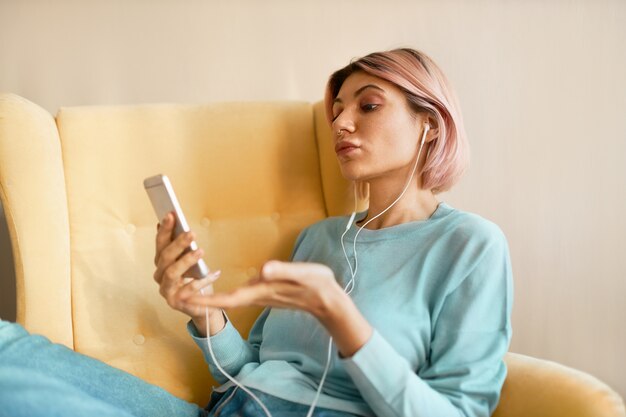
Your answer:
<point x="173" y="286"/>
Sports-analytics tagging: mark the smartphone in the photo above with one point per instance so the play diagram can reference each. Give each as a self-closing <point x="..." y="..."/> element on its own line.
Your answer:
<point x="161" y="193"/>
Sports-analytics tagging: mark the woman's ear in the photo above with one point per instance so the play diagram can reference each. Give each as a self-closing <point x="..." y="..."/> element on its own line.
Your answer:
<point x="433" y="128"/>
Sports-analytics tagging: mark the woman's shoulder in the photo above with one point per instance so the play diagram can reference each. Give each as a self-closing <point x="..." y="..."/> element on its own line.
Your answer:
<point x="469" y="225"/>
<point x="480" y="245"/>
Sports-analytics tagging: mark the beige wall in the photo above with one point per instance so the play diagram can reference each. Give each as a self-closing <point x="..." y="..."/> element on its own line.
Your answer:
<point x="542" y="85"/>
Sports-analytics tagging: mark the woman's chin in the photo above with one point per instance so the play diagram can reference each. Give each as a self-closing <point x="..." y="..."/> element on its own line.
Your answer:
<point x="354" y="172"/>
<point x="350" y="175"/>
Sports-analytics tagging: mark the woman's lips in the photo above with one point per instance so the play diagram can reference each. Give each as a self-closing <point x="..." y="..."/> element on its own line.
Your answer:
<point x="344" y="148"/>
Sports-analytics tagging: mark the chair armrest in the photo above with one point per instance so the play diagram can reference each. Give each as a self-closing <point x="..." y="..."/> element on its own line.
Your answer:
<point x="541" y="388"/>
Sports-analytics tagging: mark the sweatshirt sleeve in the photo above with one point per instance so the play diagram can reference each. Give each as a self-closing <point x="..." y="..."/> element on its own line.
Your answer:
<point x="465" y="369"/>
<point x="231" y="350"/>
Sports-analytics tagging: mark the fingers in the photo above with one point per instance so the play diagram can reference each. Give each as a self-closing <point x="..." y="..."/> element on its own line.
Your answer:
<point x="174" y="272"/>
<point x="241" y="297"/>
<point x="279" y="270"/>
<point x="173" y="252"/>
<point x="177" y="296"/>
<point x="164" y="234"/>
<point x="195" y="285"/>
<point x="294" y="271"/>
<point x="280" y="284"/>
<point x="172" y="279"/>
<point x="274" y="294"/>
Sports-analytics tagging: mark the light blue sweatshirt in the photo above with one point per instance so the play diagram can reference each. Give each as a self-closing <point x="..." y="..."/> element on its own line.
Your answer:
<point x="439" y="295"/>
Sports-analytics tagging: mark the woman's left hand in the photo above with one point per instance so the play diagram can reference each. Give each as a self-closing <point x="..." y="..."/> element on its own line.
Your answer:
<point x="302" y="286"/>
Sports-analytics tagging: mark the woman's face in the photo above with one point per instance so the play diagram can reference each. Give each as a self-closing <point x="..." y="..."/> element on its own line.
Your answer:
<point x="380" y="133"/>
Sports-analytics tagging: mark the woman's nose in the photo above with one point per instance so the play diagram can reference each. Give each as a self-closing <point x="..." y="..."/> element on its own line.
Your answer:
<point x="343" y="124"/>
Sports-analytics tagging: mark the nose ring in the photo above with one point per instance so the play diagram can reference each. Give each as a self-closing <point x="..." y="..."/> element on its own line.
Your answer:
<point x="340" y="132"/>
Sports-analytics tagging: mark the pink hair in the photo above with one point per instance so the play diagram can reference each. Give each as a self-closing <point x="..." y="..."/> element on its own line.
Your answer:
<point x="427" y="90"/>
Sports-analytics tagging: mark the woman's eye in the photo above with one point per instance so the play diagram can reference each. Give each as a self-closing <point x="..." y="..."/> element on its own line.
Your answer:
<point x="369" y="107"/>
<point x="336" y="112"/>
<point x="336" y="115"/>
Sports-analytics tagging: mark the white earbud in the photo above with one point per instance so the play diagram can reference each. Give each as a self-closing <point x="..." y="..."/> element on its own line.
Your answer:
<point x="426" y="129"/>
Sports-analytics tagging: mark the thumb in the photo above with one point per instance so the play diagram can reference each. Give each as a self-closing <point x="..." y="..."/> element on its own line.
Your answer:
<point x="273" y="269"/>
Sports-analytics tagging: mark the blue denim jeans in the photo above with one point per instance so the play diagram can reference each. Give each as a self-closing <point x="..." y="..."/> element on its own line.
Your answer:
<point x="237" y="403"/>
<point x="39" y="378"/>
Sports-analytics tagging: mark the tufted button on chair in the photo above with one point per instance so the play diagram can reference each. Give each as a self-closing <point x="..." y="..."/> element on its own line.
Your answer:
<point x="249" y="176"/>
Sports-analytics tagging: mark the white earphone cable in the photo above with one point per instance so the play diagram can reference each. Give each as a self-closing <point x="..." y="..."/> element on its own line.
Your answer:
<point x="326" y="368"/>
<point x="226" y="374"/>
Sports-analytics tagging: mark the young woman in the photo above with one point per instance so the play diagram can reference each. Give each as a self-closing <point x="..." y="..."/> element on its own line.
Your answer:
<point x="400" y="310"/>
<point x="426" y="323"/>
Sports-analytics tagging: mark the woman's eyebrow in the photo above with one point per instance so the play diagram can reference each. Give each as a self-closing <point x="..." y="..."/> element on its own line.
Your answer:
<point x="359" y="91"/>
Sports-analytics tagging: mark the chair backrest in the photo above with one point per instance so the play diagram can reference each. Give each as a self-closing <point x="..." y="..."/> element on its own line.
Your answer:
<point x="249" y="176"/>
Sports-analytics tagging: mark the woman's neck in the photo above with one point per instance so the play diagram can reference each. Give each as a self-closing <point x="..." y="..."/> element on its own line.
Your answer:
<point x="416" y="204"/>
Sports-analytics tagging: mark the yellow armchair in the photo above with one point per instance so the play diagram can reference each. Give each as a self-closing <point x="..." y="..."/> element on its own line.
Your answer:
<point x="249" y="176"/>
